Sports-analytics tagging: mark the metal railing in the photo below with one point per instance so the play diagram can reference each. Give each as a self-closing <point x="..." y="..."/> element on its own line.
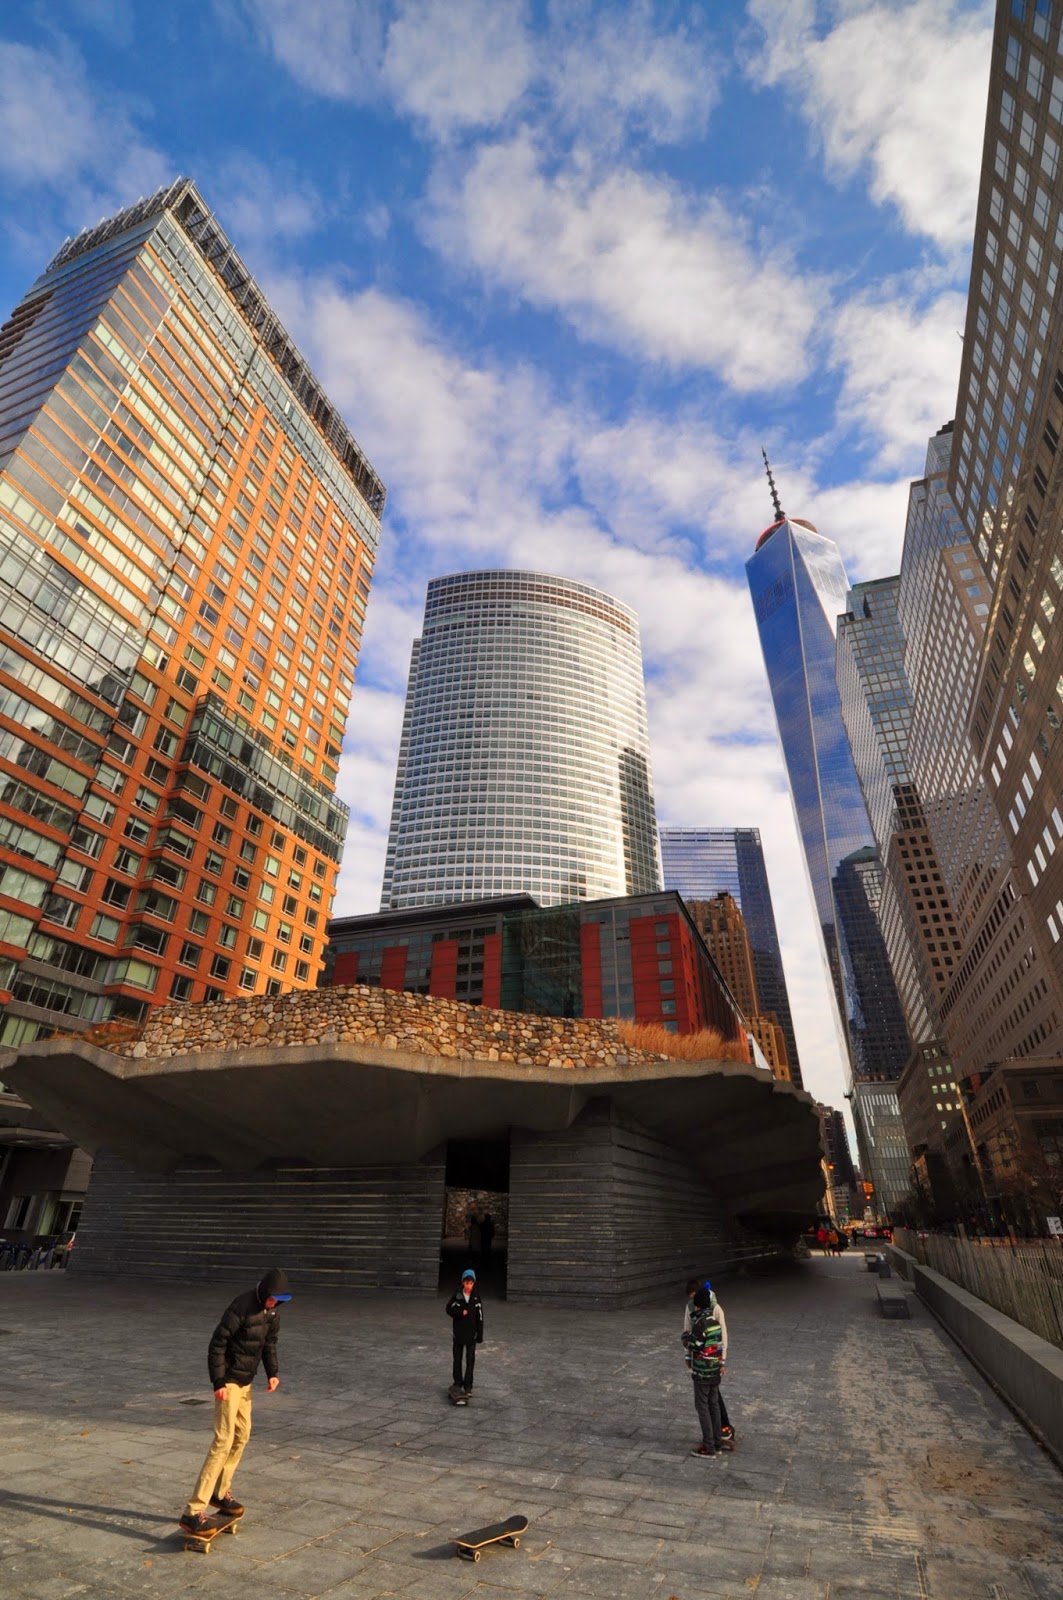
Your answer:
<point x="1023" y="1278"/>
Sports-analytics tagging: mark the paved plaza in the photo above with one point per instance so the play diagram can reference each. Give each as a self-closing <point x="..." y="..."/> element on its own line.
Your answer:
<point x="873" y="1461"/>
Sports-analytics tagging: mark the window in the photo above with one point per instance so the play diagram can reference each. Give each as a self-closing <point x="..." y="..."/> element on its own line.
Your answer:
<point x="181" y="989"/>
<point x="198" y="923"/>
<point x="116" y="894"/>
<point x="190" y="954"/>
<point x="220" y="967"/>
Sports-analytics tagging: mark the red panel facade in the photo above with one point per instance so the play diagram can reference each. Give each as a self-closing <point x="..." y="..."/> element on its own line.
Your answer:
<point x="492" y="970"/>
<point x="345" y="967"/>
<point x="393" y="967"/>
<point x="590" y="947"/>
<point x="443" y="978"/>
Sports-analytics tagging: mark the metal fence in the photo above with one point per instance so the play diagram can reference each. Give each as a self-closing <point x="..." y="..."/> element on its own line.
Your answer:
<point x="1022" y="1277"/>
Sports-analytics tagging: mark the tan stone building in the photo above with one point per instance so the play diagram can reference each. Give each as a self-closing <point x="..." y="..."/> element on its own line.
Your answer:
<point x="723" y="928"/>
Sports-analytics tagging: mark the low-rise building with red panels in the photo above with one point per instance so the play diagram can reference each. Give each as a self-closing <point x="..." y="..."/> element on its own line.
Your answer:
<point x="639" y="956"/>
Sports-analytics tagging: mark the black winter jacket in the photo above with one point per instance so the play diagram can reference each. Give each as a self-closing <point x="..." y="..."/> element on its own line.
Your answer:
<point x="468" y="1317"/>
<point x="247" y="1334"/>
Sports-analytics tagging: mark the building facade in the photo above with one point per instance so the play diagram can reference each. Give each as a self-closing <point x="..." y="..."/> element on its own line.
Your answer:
<point x="723" y="928"/>
<point x="1006" y="479"/>
<point x="916" y="917"/>
<point x="640" y="957"/>
<point x="798" y="586"/>
<point x="187" y="532"/>
<point x="524" y="763"/>
<point x="700" y="863"/>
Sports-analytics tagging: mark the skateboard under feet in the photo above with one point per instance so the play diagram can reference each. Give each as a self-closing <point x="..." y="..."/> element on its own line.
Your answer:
<point x="471" y="1544"/>
<point x="203" y="1540"/>
<point x="457" y="1396"/>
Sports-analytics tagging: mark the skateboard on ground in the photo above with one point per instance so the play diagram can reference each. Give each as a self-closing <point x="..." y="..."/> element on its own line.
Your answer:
<point x="508" y="1532"/>
<point x="203" y="1540"/>
<point x="457" y="1396"/>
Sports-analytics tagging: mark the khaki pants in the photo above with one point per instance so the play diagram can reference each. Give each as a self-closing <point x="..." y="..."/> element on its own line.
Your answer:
<point x="232" y="1429"/>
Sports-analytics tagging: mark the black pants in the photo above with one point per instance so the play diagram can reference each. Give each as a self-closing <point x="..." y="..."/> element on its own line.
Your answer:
<point x="725" y="1421"/>
<point x="469" y="1351"/>
<point x="707" y="1405"/>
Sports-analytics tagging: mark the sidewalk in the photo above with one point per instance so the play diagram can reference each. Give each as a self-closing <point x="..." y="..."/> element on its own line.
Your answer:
<point x="873" y="1461"/>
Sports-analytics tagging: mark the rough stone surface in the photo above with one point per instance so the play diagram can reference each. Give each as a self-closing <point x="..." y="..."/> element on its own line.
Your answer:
<point x="873" y="1462"/>
<point x="357" y="1014"/>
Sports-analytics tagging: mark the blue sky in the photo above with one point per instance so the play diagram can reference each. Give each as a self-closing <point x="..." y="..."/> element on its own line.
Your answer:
<point x="564" y="268"/>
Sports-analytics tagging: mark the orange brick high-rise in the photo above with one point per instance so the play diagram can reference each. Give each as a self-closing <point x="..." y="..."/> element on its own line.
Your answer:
<point x="187" y="532"/>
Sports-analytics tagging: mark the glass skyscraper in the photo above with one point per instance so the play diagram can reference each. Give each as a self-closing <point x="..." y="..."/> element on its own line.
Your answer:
<point x="700" y="863"/>
<point x="524" y="763"/>
<point x="799" y="587"/>
<point x="187" y="532"/>
<point x="916" y="917"/>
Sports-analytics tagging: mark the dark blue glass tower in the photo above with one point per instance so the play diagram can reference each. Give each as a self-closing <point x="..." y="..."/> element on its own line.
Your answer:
<point x="799" y="586"/>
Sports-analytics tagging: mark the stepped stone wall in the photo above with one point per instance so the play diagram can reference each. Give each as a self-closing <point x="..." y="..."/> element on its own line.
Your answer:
<point x="388" y="1017"/>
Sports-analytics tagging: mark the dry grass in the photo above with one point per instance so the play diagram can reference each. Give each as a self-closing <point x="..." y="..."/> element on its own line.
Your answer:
<point x="707" y="1045"/>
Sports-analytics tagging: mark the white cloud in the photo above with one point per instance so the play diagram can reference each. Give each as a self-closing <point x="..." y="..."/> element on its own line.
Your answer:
<point x="615" y="71"/>
<point x="458" y="66"/>
<point x="900" y="363"/>
<point x="896" y="88"/>
<point x="56" y="133"/>
<point x="332" y="47"/>
<point x="631" y="261"/>
<point x="262" y="205"/>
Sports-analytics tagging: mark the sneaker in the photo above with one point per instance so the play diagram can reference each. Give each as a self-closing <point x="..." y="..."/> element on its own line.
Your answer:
<point x="194" y="1524"/>
<point x="705" y="1453"/>
<point x="228" y="1504"/>
<point x="468" y="1393"/>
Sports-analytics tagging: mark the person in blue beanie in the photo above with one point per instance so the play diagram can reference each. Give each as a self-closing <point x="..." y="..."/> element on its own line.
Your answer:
<point x="466" y="1312"/>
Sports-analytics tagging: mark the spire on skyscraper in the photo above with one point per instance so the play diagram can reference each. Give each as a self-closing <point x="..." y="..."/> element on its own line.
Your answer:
<point x="780" y="514"/>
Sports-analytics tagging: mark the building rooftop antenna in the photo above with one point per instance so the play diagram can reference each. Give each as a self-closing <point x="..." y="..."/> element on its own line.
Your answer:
<point x="780" y="514"/>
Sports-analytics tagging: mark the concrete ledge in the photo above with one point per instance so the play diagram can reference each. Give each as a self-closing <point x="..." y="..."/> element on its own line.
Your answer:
<point x="1025" y="1369"/>
<point x="892" y="1302"/>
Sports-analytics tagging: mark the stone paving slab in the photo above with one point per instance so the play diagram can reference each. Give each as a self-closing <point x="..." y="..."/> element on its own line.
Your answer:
<point x="873" y="1462"/>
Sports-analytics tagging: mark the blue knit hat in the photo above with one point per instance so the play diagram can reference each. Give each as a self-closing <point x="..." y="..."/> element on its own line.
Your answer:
<point x="468" y="1273"/>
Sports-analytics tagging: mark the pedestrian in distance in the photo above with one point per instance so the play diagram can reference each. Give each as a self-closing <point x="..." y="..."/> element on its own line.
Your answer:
<point x="704" y="1345"/>
<point x="466" y="1312"/>
<point x="693" y="1285"/>
<point x="487" y="1234"/>
<point x="245" y="1337"/>
<point x="823" y="1239"/>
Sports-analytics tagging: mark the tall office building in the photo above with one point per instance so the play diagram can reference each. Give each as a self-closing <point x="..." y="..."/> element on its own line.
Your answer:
<point x="524" y="764"/>
<point x="1006" y="478"/>
<point x="798" y="586"/>
<point x="876" y="698"/>
<point x="187" y="530"/>
<point x="700" y="863"/>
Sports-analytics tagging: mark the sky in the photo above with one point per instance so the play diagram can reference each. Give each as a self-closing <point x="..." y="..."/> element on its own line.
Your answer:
<point x="564" y="268"/>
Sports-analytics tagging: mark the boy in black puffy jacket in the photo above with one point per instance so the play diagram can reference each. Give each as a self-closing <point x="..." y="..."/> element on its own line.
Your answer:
<point x="245" y="1336"/>
<point x="467" y="1314"/>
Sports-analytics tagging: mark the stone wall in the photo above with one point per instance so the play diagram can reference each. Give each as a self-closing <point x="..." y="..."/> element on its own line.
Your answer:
<point x="368" y="1228"/>
<point x="388" y="1017"/>
<point x="606" y="1215"/>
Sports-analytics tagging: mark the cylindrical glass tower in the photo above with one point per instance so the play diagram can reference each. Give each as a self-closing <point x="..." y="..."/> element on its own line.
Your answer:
<point x="524" y="764"/>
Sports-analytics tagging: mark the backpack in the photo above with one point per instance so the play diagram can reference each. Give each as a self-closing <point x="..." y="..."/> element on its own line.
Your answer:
<point x="706" y="1345"/>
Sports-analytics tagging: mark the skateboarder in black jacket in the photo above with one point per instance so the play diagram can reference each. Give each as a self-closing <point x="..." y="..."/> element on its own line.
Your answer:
<point x="245" y="1336"/>
<point x="467" y="1313"/>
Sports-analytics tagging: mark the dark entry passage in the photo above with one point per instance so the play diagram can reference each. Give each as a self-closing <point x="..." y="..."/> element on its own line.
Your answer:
<point x="475" y="1231"/>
